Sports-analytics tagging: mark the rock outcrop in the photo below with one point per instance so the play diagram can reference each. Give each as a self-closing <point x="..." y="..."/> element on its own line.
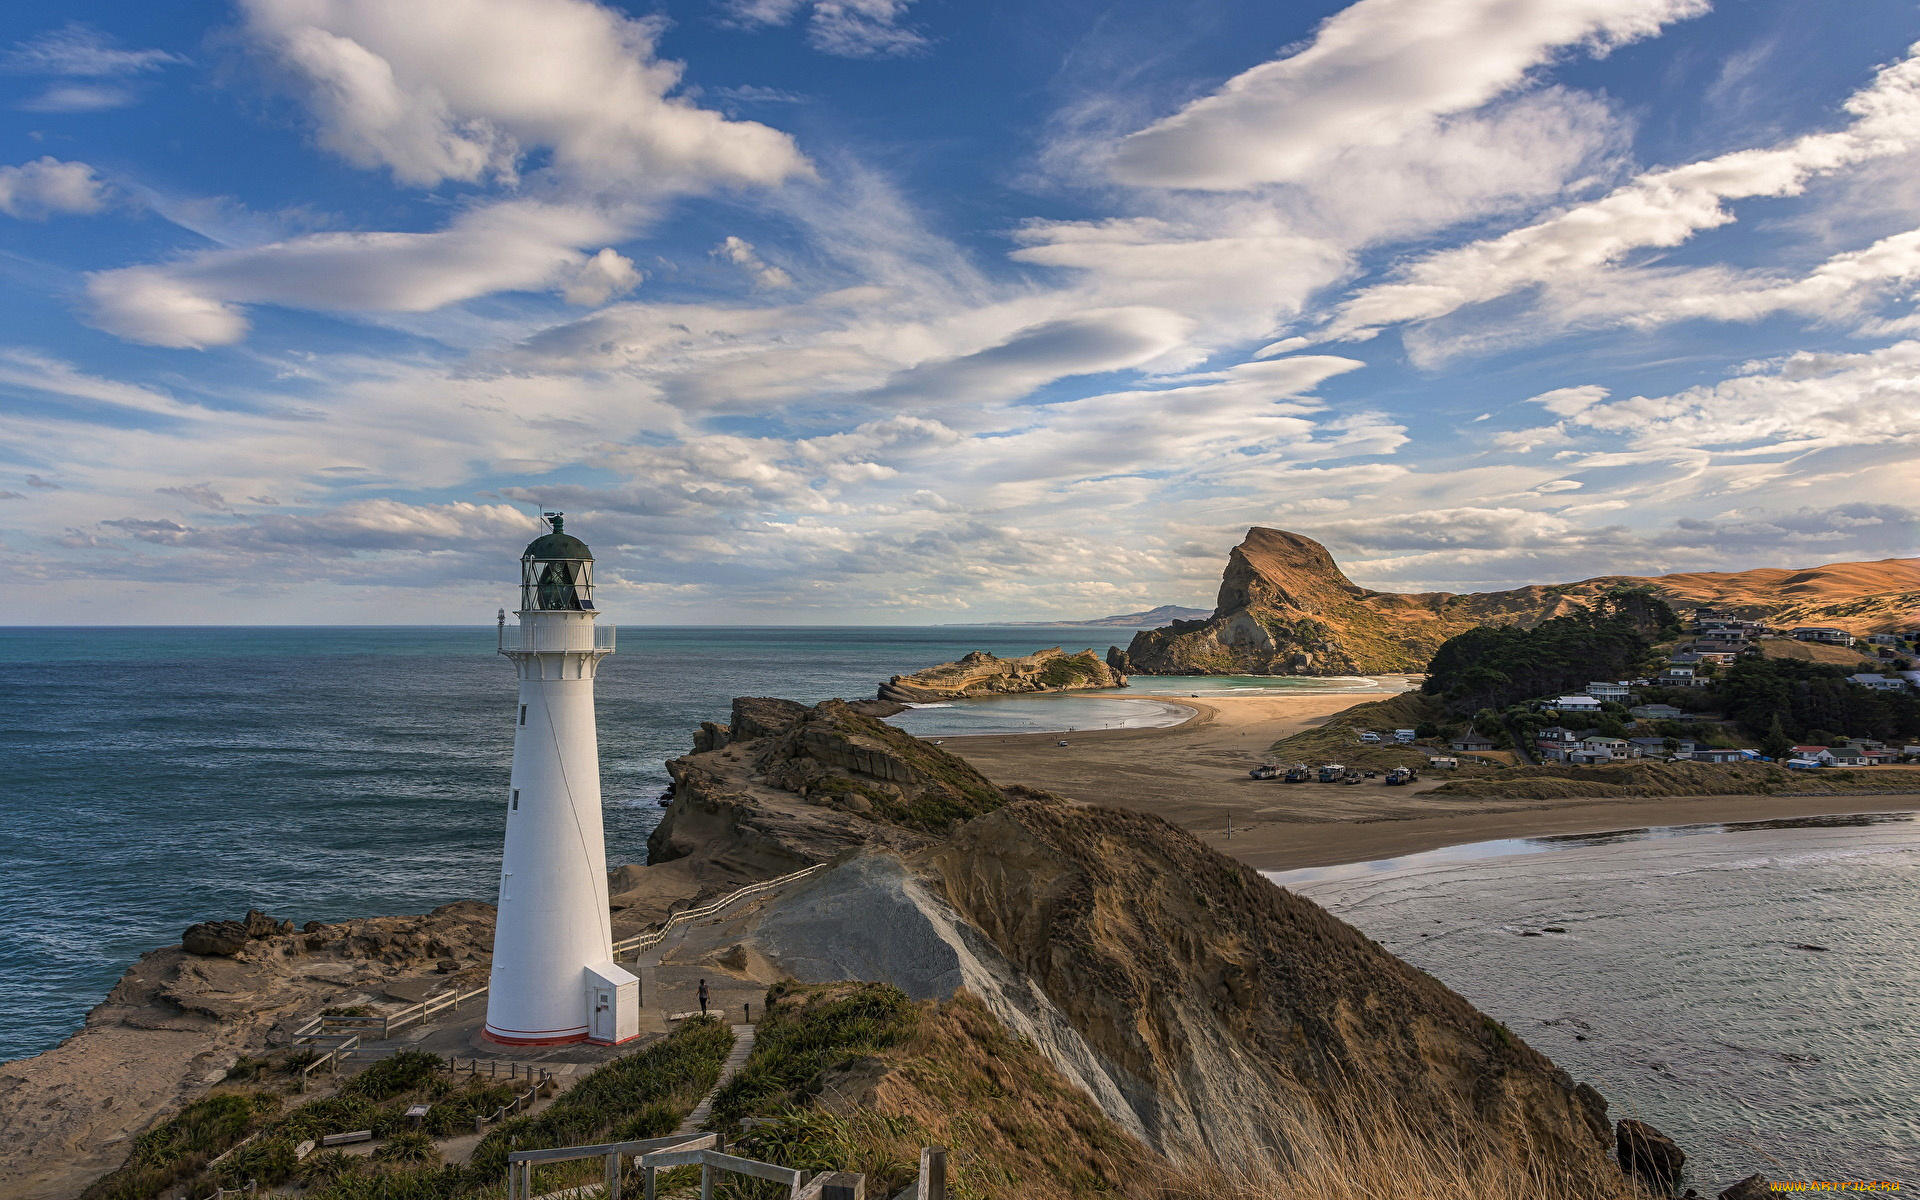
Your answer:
<point x="983" y="674"/>
<point x="1286" y="608"/>
<point x="1649" y="1155"/>
<point x="782" y="786"/>
<point x="180" y="1017"/>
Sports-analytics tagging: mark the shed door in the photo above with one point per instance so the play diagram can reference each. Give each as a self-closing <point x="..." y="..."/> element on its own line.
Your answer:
<point x="603" y="1014"/>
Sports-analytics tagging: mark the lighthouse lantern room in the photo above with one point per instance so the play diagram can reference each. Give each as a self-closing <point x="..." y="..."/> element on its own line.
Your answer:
<point x="554" y="979"/>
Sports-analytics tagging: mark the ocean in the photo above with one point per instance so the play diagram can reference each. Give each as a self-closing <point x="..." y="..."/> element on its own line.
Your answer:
<point x="1751" y="990"/>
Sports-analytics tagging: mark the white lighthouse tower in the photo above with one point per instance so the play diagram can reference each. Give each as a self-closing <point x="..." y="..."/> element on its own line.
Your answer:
<point x="554" y="979"/>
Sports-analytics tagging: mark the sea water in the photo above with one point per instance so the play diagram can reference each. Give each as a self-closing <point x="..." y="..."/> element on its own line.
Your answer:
<point x="1752" y="990"/>
<point x="158" y="777"/>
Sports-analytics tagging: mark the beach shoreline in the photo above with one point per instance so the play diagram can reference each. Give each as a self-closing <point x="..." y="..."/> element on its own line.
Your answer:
<point x="1194" y="774"/>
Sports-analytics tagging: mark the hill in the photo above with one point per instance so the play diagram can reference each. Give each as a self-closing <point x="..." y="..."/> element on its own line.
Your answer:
<point x="1286" y="608"/>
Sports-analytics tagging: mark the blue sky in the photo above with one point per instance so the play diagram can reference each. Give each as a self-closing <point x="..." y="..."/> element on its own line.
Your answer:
<point x="831" y="311"/>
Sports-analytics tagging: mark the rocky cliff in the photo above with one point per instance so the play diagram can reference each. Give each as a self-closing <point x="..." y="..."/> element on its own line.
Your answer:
<point x="1286" y="608"/>
<point x="1231" y="1013"/>
<point x="782" y="786"/>
<point x="982" y="674"/>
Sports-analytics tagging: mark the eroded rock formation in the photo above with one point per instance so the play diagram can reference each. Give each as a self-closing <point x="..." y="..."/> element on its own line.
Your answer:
<point x="983" y="674"/>
<point x="782" y="786"/>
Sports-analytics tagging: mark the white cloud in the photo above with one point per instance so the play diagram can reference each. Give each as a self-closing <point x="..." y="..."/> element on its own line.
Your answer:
<point x="508" y="246"/>
<point x="1084" y="344"/>
<point x="741" y="253"/>
<point x="1659" y="208"/>
<point x="850" y="28"/>
<point x="1806" y="401"/>
<point x="46" y="186"/>
<point x="1374" y="74"/>
<point x="1566" y="401"/>
<point x="78" y="97"/>
<point x="439" y="90"/>
<point x="80" y="50"/>
<point x="605" y="275"/>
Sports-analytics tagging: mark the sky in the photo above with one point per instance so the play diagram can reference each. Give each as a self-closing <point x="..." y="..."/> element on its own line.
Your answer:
<point x="916" y="311"/>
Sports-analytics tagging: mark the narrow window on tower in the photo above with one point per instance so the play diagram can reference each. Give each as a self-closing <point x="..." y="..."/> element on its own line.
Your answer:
<point x="516" y="800"/>
<point x="523" y="714"/>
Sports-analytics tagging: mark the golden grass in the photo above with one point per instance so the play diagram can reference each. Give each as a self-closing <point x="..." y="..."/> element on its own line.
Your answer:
<point x="1380" y="1152"/>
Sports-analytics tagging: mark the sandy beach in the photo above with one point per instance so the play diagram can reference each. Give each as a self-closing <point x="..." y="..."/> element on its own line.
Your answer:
<point x="1195" y="775"/>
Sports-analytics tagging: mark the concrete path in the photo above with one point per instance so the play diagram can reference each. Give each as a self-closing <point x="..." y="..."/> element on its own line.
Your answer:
<point x="742" y="1046"/>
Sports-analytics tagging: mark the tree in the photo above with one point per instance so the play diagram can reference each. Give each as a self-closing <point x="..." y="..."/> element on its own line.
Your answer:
<point x="1776" y="744"/>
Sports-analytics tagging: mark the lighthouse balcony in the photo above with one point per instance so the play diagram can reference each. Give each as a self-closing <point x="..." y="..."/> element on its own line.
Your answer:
<point x="548" y="636"/>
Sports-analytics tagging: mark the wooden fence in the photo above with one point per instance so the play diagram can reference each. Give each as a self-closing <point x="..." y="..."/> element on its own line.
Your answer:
<point x="342" y="1049"/>
<point x="387" y="1023"/>
<point x="682" y="1150"/>
<point x="653" y="937"/>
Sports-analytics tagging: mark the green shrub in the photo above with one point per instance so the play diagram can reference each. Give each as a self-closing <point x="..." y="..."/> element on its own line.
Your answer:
<point x="806" y="1033"/>
<point x="658" y="1084"/>
<point x="402" y="1072"/>
<point x="408" y="1146"/>
<point x="328" y="1165"/>
<point x="177" y="1149"/>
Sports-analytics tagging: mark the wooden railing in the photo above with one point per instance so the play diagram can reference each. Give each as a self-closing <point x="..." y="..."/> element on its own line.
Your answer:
<point x="653" y="937"/>
<point x="682" y="1150"/>
<point x="525" y="1100"/>
<point x="340" y="1052"/>
<point x="384" y="1024"/>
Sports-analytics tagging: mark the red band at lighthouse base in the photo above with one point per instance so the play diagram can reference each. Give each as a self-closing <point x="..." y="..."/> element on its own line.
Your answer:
<point x="534" y="1037"/>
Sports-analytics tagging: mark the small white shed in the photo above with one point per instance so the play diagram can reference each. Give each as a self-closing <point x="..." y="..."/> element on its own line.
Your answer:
<point x="613" y="1004"/>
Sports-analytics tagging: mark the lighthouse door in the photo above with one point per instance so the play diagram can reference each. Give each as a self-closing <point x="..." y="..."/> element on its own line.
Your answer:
<point x="603" y="1018"/>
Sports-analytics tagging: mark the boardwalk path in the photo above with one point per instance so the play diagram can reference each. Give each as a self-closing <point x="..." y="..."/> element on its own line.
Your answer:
<point x="742" y="1046"/>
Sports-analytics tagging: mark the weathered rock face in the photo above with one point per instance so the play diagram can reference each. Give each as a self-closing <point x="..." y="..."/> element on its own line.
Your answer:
<point x="228" y="938"/>
<point x="1231" y="1013"/>
<point x="1286" y="608"/>
<point x="982" y="674"/>
<point x="782" y="786"/>
<point x="1649" y="1155"/>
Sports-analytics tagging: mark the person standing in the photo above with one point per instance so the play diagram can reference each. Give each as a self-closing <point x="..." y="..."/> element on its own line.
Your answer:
<point x="703" y="997"/>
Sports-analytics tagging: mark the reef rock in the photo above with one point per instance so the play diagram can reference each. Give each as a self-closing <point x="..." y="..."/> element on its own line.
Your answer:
<point x="983" y="674"/>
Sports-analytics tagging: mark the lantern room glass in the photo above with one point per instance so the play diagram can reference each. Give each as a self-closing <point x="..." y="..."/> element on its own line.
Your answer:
<point x="556" y="584"/>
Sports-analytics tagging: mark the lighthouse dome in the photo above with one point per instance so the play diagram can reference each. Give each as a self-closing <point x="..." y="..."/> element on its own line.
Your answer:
<point x="558" y="544"/>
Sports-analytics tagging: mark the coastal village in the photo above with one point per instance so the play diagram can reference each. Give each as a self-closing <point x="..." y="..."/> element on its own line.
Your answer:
<point x="1619" y="720"/>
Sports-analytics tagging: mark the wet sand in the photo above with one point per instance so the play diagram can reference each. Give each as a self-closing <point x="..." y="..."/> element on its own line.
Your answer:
<point x="1195" y="775"/>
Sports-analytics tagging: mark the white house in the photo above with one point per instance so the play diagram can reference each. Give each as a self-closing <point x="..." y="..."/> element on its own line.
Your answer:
<point x="1577" y="704"/>
<point x="1608" y="691"/>
<point x="1884" y="639"/>
<point x="1880" y="683"/>
<point x="1614" y="747"/>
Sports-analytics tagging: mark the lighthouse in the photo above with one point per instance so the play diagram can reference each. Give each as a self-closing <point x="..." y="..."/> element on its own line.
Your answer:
<point x="554" y="979"/>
